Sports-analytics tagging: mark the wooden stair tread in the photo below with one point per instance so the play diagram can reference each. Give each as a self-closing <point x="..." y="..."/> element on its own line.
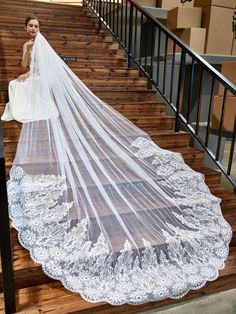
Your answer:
<point x="8" y="36"/>
<point x="44" y="6"/>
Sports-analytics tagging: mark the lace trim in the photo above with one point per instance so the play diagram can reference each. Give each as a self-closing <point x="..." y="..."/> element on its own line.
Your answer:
<point x="193" y="256"/>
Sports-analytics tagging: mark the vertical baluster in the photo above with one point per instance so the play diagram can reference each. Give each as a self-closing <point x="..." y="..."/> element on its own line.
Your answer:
<point x="100" y="13"/>
<point x="110" y="12"/>
<point x="145" y="45"/>
<point x="231" y="154"/>
<point x="221" y="125"/>
<point x="135" y="33"/>
<point x="180" y="88"/>
<point x="117" y="18"/>
<point x="152" y="48"/>
<point x="190" y="90"/>
<point x="130" y="39"/>
<point x="113" y="16"/>
<point x="209" y="112"/>
<point x="103" y="9"/>
<point x="165" y="66"/>
<point x="126" y="26"/>
<point x="141" y="37"/>
<point x="172" y="72"/>
<point x="199" y="103"/>
<point x="114" y="10"/>
<point x="158" y="55"/>
<point x="106" y="12"/>
<point x="121" y="20"/>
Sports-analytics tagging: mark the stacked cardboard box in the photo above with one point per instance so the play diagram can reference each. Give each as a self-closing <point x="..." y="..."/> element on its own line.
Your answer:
<point x="219" y="3"/>
<point x="193" y="37"/>
<point x="229" y="71"/>
<point x="229" y="113"/>
<point x="184" y="17"/>
<point x="217" y="18"/>
<point x="185" y="22"/>
<point x="147" y="3"/>
<point x="170" y="4"/>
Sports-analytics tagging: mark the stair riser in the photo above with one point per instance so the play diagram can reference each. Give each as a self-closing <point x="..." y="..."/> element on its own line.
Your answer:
<point x="111" y="63"/>
<point x="44" y="8"/>
<point x="112" y="82"/>
<point x="125" y="95"/>
<point x="55" y="19"/>
<point x="58" y="15"/>
<point x="163" y="142"/>
<point x="84" y="53"/>
<point x="90" y="29"/>
<point x="14" y="44"/>
<point x="67" y="28"/>
<point x="10" y="36"/>
<point x="52" y="24"/>
<point x="170" y="142"/>
<point x="10" y="72"/>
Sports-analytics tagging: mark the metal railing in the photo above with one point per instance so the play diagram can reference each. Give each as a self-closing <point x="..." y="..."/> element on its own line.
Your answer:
<point x="200" y="96"/>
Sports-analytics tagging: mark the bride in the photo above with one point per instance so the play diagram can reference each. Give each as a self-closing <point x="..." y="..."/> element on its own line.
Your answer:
<point x="105" y="210"/>
<point x="18" y="88"/>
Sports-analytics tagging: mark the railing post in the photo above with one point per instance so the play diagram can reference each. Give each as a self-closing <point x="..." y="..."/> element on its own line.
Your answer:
<point x="180" y="88"/>
<point x="100" y="14"/>
<point x="130" y="44"/>
<point x="5" y="239"/>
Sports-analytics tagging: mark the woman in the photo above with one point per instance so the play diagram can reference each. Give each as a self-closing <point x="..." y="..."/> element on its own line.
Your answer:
<point x="18" y="88"/>
<point x="101" y="207"/>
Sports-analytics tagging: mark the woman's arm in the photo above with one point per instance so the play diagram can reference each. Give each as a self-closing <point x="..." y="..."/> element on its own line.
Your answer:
<point x="23" y="77"/>
<point x="26" y="54"/>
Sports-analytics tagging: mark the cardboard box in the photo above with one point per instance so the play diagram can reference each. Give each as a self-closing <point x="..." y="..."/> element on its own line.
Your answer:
<point x="170" y="4"/>
<point x="147" y="3"/>
<point x="184" y="17"/>
<point x="229" y="114"/>
<point x="193" y="37"/>
<point x="228" y="69"/>
<point x="218" y="22"/>
<point x="219" y="3"/>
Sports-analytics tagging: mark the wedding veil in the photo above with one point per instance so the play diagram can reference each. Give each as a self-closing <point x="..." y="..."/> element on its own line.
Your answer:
<point x="101" y="207"/>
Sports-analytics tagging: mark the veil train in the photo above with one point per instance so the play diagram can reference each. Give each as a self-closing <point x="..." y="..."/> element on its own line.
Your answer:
<point x="103" y="208"/>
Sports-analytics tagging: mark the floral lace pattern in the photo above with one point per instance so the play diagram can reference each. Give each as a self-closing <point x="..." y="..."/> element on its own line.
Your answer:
<point x="192" y="257"/>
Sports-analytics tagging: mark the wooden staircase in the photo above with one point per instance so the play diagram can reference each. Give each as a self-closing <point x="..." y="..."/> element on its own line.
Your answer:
<point x="102" y="66"/>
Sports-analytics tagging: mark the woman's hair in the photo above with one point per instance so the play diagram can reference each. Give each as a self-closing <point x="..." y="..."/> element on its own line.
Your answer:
<point x="29" y="18"/>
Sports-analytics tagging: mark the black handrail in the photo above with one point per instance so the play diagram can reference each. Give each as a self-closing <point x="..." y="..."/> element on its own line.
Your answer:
<point x="5" y="241"/>
<point x="165" y="49"/>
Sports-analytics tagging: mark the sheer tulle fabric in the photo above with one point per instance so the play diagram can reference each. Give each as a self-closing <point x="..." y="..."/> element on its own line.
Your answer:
<point x="99" y="205"/>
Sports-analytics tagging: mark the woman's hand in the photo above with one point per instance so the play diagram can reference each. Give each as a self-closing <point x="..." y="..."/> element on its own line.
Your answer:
<point x="28" y="45"/>
<point x="23" y="77"/>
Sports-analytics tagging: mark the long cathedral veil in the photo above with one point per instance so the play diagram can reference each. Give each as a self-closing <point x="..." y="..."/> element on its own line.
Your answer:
<point x="101" y="207"/>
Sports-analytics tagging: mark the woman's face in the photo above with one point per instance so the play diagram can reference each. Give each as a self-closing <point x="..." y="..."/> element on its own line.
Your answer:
<point x="32" y="27"/>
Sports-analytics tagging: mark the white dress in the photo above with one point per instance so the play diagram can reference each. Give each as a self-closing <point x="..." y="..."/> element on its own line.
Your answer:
<point x="16" y="107"/>
<point x="18" y="96"/>
<point x="21" y="106"/>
